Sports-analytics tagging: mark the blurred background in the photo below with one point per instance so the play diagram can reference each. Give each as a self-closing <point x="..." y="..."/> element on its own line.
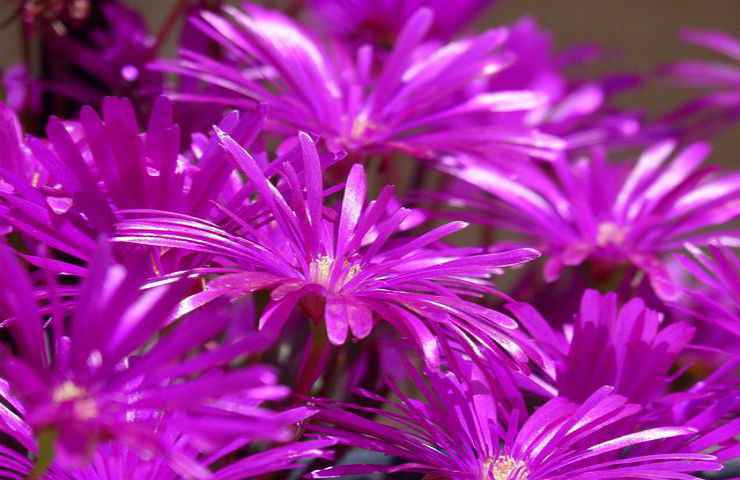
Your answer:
<point x="643" y="34"/>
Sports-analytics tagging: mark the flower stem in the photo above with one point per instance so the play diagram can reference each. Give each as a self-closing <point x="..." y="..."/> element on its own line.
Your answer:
<point x="169" y="24"/>
<point x="315" y="359"/>
<point x="46" y="440"/>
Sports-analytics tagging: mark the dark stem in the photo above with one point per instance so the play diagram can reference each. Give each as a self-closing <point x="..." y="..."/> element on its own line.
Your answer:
<point x="169" y="24"/>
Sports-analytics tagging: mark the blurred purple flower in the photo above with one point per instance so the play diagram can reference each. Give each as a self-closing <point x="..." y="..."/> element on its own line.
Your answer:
<point x="579" y="111"/>
<point x="459" y="432"/>
<point x="714" y="297"/>
<point x="21" y="92"/>
<point x="342" y="266"/>
<point x="420" y="102"/>
<point x="380" y="21"/>
<point x="721" y="107"/>
<point x="89" y="50"/>
<point x="612" y="214"/>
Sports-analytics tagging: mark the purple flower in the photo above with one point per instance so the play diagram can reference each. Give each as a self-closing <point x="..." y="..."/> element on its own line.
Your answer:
<point x="343" y="266"/>
<point x="612" y="214"/>
<point x="717" y="299"/>
<point x="89" y="50"/>
<point x="380" y="22"/>
<point x="101" y="368"/>
<point x="115" y="460"/>
<point x="459" y="432"/>
<point x="18" y="160"/>
<point x="712" y="408"/>
<point x="712" y="296"/>
<point x="579" y="111"/>
<point x="420" y="99"/>
<point x="720" y="107"/>
<point x="19" y="90"/>
<point x="629" y="347"/>
<point x="100" y="166"/>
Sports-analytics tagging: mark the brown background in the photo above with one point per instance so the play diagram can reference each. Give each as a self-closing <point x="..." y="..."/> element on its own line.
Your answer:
<point x="644" y="31"/>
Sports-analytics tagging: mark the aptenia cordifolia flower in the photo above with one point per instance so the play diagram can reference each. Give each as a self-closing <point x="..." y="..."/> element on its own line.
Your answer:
<point x="636" y="348"/>
<point x="380" y="22"/>
<point x="87" y="50"/>
<point x="420" y="102"/>
<point x="715" y="295"/>
<point x="89" y="171"/>
<point x="101" y="369"/>
<point x="579" y="111"/>
<point x="720" y="107"/>
<point x="610" y="214"/>
<point x="458" y="431"/>
<point x="114" y="460"/>
<point x="345" y="265"/>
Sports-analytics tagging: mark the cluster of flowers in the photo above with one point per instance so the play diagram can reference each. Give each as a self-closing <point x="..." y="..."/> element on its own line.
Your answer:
<point x="237" y="290"/>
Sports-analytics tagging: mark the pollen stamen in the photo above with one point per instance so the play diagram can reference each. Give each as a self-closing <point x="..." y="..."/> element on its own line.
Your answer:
<point x="67" y="391"/>
<point x="505" y="468"/>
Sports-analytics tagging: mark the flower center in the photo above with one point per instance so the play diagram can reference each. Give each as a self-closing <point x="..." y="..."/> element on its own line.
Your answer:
<point x="67" y="391"/>
<point x="609" y="233"/>
<point x="321" y="270"/>
<point x="505" y="468"/>
<point x="84" y="407"/>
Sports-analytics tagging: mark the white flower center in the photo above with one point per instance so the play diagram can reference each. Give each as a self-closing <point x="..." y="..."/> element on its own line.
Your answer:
<point x="609" y="233"/>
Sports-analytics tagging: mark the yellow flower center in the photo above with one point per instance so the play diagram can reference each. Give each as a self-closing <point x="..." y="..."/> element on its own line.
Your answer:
<point x="321" y="269"/>
<point x="67" y="391"/>
<point x="505" y="468"/>
<point x="84" y="407"/>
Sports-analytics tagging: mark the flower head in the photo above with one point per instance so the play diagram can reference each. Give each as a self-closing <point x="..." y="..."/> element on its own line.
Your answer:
<point x="420" y="101"/>
<point x="721" y="106"/>
<point x="577" y="110"/>
<point x="612" y="214"/>
<point x="717" y="298"/>
<point x="344" y="266"/>
<point x="629" y="347"/>
<point x="89" y="49"/>
<point x="380" y="22"/>
<point x="100" y="368"/>
<point x="89" y="171"/>
<point x="114" y="460"/>
<point x="458" y="431"/>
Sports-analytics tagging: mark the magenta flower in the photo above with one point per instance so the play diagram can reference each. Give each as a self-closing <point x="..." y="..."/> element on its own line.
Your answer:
<point x="20" y="91"/>
<point x="579" y="111"/>
<point x="716" y="300"/>
<point x="89" y="50"/>
<point x="458" y="432"/>
<point x="18" y="161"/>
<point x="721" y="106"/>
<point x="343" y="266"/>
<point x="102" y="368"/>
<point x="712" y="408"/>
<point x="612" y="214"/>
<point x="380" y="22"/>
<point x="103" y="165"/>
<point x="628" y="347"/>
<point x="420" y="101"/>
<point x="118" y="461"/>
